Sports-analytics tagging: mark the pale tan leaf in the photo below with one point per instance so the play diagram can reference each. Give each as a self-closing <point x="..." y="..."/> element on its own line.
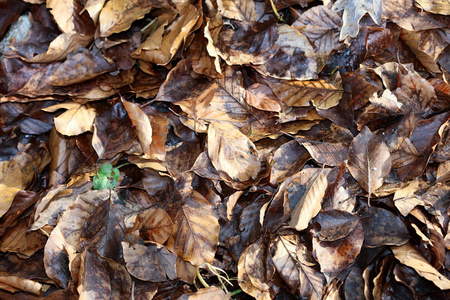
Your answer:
<point x="76" y="120"/>
<point x="65" y="13"/>
<point x="210" y="293"/>
<point x="409" y="256"/>
<point x="434" y="6"/>
<point x="405" y="199"/>
<point x="354" y="10"/>
<point x="212" y="30"/>
<point x="369" y="160"/>
<point x="232" y="152"/>
<point x="117" y="15"/>
<point x="61" y="46"/>
<point x="161" y="46"/>
<point x="241" y="10"/>
<point x="196" y="231"/>
<point x="299" y="93"/>
<point x="142" y="124"/>
<point x="261" y="97"/>
<point x="15" y="284"/>
<point x="94" y="7"/>
<point x="10" y="183"/>
<point x="310" y="203"/>
<point x="411" y="39"/>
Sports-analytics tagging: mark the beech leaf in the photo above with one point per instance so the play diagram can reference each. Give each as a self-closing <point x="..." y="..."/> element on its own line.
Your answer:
<point x="232" y="152"/>
<point x="369" y="160"/>
<point x="310" y="203"/>
<point x="142" y="124"/>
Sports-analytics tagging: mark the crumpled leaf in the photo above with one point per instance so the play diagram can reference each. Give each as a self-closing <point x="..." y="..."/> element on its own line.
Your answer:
<point x="354" y="10"/>
<point x="409" y="256"/>
<point x="117" y="15"/>
<point x="242" y="10"/>
<point x="369" y="160"/>
<point x="211" y="293"/>
<point x="69" y="15"/>
<point x="255" y="272"/>
<point x="434" y="6"/>
<point x="142" y="124"/>
<point x="76" y="120"/>
<point x="161" y="46"/>
<point x="232" y="152"/>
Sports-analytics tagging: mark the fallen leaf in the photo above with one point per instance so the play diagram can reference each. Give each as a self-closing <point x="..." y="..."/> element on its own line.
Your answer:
<point x="353" y="12"/>
<point x="409" y="256"/>
<point x="154" y="225"/>
<point x="240" y="10"/>
<point x="117" y="15"/>
<point x="369" y="160"/>
<point x="309" y="204"/>
<point x="196" y="229"/>
<point x="76" y="120"/>
<point x="142" y="124"/>
<point x="261" y="97"/>
<point x="232" y="152"/>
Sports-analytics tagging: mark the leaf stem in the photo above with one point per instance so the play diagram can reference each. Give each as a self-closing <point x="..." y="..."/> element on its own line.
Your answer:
<point x="275" y="11"/>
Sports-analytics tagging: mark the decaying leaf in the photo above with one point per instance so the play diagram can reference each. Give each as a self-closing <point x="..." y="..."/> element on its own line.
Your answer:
<point x="232" y="152"/>
<point x="369" y="160"/>
<point x="196" y="229"/>
<point x="309" y="204"/>
<point x="409" y="256"/>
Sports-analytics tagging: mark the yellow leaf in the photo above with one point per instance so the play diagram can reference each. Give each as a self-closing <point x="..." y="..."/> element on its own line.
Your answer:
<point x="76" y="120"/>
<point x="10" y="184"/>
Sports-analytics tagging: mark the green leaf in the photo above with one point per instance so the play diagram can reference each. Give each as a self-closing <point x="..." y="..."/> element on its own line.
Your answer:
<point x="107" y="177"/>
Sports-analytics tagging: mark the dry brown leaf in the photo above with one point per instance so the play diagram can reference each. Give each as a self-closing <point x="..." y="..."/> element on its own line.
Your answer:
<point x="149" y="263"/>
<point x="142" y="124"/>
<point x="76" y="120"/>
<point x="196" y="231"/>
<point x="241" y="10"/>
<point x="10" y="183"/>
<point x="327" y="153"/>
<point x="232" y="152"/>
<point x="210" y="293"/>
<point x="299" y="93"/>
<point x="369" y="160"/>
<point x="409" y="256"/>
<point x="255" y="272"/>
<point x="295" y="58"/>
<point x="434" y="6"/>
<point x="287" y="160"/>
<point x="310" y="203"/>
<point x="335" y="256"/>
<point x="321" y="25"/>
<point x="405" y="198"/>
<point x="80" y="67"/>
<point x="261" y="97"/>
<point x="69" y="15"/>
<point x="15" y="284"/>
<point x="117" y="15"/>
<point x="154" y="225"/>
<point x="161" y="46"/>
<point x="61" y="46"/>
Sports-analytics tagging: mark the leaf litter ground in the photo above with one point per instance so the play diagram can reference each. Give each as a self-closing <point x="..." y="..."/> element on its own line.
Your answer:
<point x="224" y="149"/>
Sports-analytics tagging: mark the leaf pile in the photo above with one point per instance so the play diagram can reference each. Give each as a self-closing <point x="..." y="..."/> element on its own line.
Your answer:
<point x="296" y="148"/>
